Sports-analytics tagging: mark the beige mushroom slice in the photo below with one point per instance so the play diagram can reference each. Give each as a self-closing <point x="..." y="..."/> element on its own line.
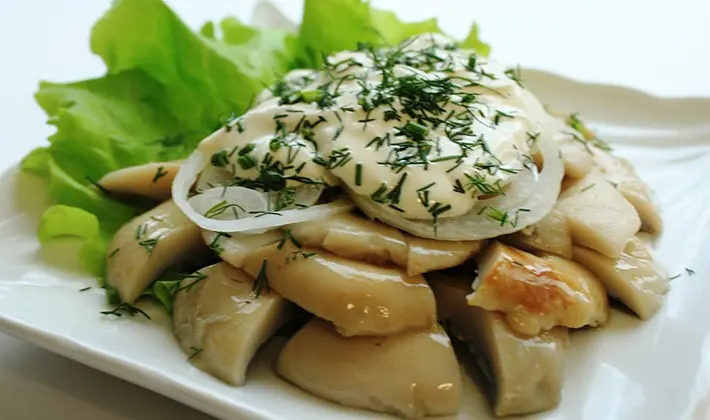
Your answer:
<point x="412" y="375"/>
<point x="575" y="154"/>
<point x="551" y="234"/>
<point x="573" y="148"/>
<point x="622" y="174"/>
<point x="599" y="217"/>
<point x="635" y="278"/>
<point x="536" y="293"/>
<point x="427" y="255"/>
<point x="234" y="247"/>
<point x="152" y="180"/>
<point x="221" y="323"/>
<point x="355" y="237"/>
<point x="358" y="297"/>
<point x="149" y="244"/>
<point x="526" y="373"/>
<point x="359" y="238"/>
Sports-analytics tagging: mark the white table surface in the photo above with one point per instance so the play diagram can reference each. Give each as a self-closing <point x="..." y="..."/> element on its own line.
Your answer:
<point x="659" y="46"/>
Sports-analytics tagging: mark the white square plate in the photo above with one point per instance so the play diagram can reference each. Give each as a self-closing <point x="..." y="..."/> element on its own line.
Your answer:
<point x="658" y="369"/>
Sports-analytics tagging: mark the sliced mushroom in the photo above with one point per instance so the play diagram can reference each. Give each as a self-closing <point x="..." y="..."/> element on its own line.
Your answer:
<point x="149" y="244"/>
<point x="551" y="234"/>
<point x="427" y="255"/>
<point x="622" y="174"/>
<point x="413" y="374"/>
<point x="538" y="293"/>
<point x="575" y="154"/>
<point x="359" y="238"/>
<point x="152" y="180"/>
<point x="526" y="372"/>
<point x="359" y="298"/>
<point x="635" y="278"/>
<point x="234" y="247"/>
<point x="355" y="237"/>
<point x="599" y="217"/>
<point x="220" y="322"/>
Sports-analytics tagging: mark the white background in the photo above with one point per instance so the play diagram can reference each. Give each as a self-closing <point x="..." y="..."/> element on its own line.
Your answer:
<point x="659" y="46"/>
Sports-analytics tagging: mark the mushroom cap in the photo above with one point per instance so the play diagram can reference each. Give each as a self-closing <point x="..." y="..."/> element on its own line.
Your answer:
<point x="526" y="373"/>
<point x="537" y="293"/>
<point x="149" y="244"/>
<point x="151" y="180"/>
<point x="636" y="277"/>
<point x="413" y="374"/>
<point x="359" y="298"/>
<point x="221" y="324"/>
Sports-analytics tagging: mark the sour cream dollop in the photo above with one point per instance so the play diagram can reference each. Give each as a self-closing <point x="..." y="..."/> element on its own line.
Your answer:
<point x="422" y="133"/>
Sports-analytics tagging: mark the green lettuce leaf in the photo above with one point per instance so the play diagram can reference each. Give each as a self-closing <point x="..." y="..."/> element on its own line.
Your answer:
<point x="266" y="54"/>
<point x="108" y="123"/>
<point x="164" y="292"/>
<point x="473" y="42"/>
<point x="63" y="221"/>
<point x="334" y="25"/>
<point x="203" y="78"/>
<point x="167" y="87"/>
<point x="393" y="31"/>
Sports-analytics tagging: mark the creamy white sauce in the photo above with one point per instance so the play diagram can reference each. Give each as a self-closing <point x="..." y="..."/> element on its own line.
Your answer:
<point x="499" y="120"/>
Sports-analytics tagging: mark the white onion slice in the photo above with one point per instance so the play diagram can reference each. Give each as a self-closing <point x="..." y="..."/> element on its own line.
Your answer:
<point x="236" y="202"/>
<point x="250" y="223"/>
<point x="305" y="195"/>
<point x="538" y="193"/>
<point x="212" y="177"/>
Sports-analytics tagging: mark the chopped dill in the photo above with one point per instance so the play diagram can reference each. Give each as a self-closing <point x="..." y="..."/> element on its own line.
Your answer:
<point x="195" y="352"/>
<point x="149" y="244"/>
<point x="221" y="207"/>
<point x="161" y="172"/>
<point x="215" y="245"/>
<point x="196" y="278"/>
<point x="288" y="237"/>
<point x="261" y="284"/>
<point x="588" y="187"/>
<point x="125" y="308"/>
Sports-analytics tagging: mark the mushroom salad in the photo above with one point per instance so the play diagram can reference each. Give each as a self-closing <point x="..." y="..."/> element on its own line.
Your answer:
<point x="388" y="202"/>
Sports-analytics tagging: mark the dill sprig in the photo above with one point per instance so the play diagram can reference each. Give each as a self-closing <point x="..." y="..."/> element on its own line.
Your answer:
<point x="150" y="244"/>
<point x="479" y="183"/>
<point x="515" y="74"/>
<point x="288" y="237"/>
<point x="502" y="216"/>
<point x="423" y="194"/>
<point x="261" y="283"/>
<point x="358" y="174"/>
<point x="222" y="206"/>
<point x="125" y="308"/>
<point x="159" y="173"/>
<point x="215" y="245"/>
<point x="196" y="278"/>
<point x="98" y="186"/>
<point x="195" y="352"/>
<point x="220" y="159"/>
<point x="293" y="256"/>
<point x="285" y="198"/>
